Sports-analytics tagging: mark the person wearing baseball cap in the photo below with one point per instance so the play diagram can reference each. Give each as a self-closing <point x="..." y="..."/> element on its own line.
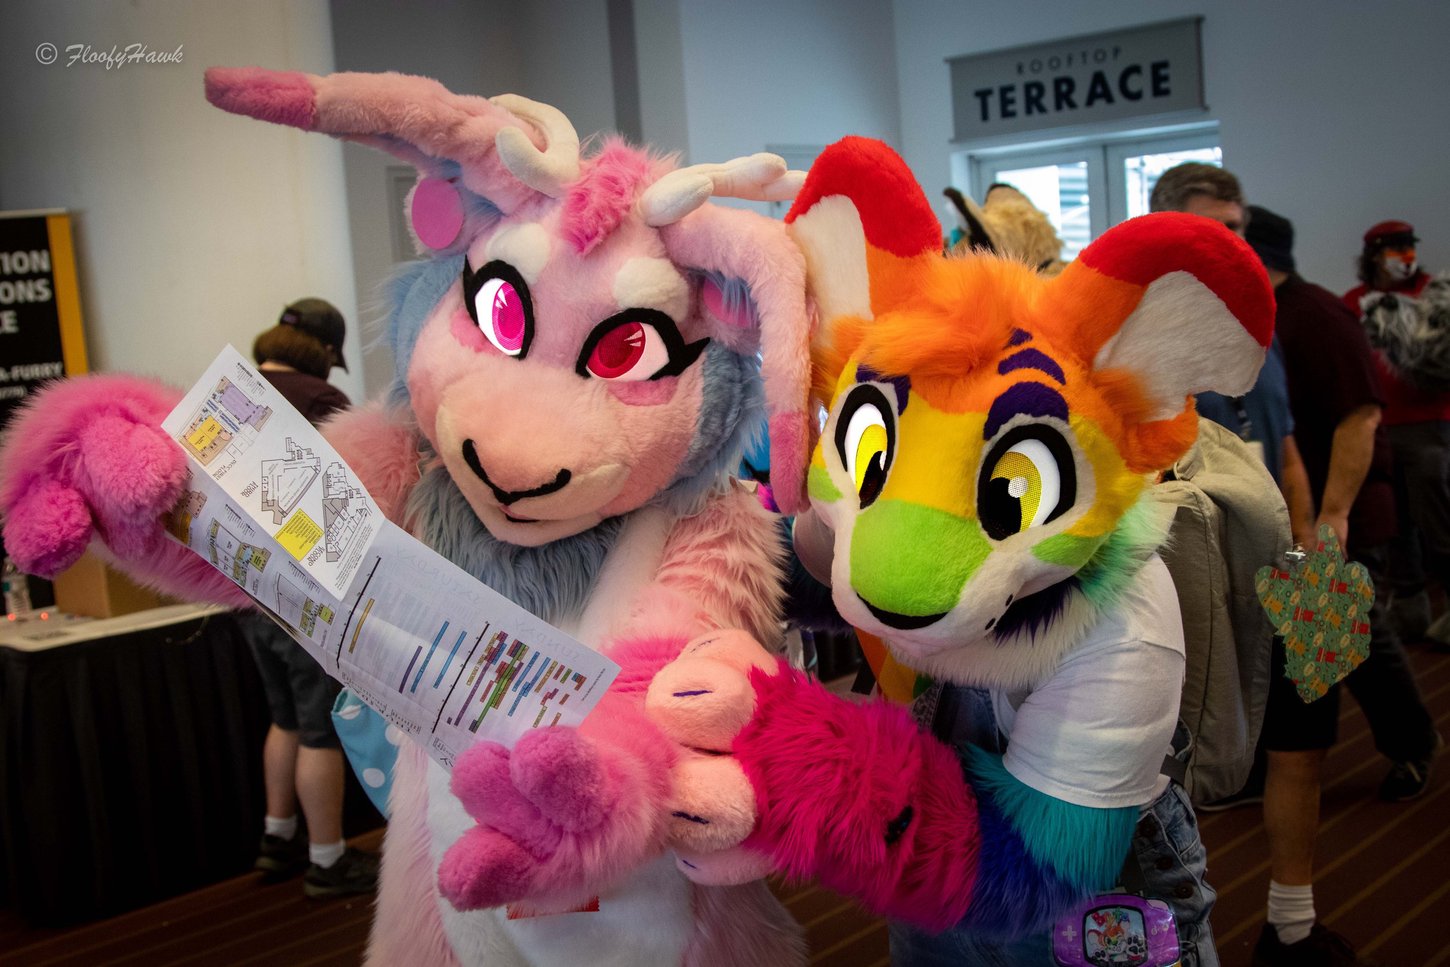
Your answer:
<point x="299" y="351"/>
<point x="1411" y="359"/>
<point x="302" y="757"/>
<point x="319" y="319"/>
<point x="1388" y="263"/>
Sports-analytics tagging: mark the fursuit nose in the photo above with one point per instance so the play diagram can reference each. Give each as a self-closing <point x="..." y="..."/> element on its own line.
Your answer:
<point x="506" y="497"/>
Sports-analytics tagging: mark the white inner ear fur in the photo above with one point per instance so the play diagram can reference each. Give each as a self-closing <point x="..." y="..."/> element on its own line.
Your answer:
<point x="1181" y="340"/>
<point x="834" y="243"/>
<point x="648" y="283"/>
<point x="525" y="247"/>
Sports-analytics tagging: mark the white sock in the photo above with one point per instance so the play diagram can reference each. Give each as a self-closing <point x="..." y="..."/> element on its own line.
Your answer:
<point x="1291" y="911"/>
<point x="284" y="828"/>
<point x="326" y="854"/>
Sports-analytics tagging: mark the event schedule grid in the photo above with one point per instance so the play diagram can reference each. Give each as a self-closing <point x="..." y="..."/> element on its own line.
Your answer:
<point x="440" y="655"/>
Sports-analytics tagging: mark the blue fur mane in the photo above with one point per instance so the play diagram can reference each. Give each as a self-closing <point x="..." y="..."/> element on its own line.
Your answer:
<point x="415" y="289"/>
<point x="553" y="580"/>
<point x="731" y="413"/>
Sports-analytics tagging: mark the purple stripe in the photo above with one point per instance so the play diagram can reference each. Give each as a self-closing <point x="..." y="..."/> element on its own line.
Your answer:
<point x="1032" y="359"/>
<point x="404" y="683"/>
<point x="1024" y="399"/>
<point x="1034" y="613"/>
<point x="1018" y="337"/>
<point x="901" y="384"/>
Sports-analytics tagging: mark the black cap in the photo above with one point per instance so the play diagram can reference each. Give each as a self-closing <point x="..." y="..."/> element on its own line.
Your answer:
<point x="1271" y="236"/>
<point x="320" y="320"/>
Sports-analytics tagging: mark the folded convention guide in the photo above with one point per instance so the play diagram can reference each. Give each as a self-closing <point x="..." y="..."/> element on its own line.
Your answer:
<point x="442" y="656"/>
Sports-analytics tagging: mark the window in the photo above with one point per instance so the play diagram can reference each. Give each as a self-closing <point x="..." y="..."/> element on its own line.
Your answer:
<point x="1087" y="186"/>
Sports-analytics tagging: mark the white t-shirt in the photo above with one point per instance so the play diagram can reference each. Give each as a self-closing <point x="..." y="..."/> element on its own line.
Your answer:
<point x="1095" y="733"/>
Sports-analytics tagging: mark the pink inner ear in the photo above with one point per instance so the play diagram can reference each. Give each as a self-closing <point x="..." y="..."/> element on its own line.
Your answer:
<point x="789" y="454"/>
<point x="437" y="212"/>
<point x="717" y="305"/>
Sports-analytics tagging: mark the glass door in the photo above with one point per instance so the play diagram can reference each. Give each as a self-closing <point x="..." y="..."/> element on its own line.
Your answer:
<point x="1090" y="185"/>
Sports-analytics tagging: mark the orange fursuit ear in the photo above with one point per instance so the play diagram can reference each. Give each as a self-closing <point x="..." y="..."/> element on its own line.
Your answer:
<point x="1159" y="308"/>
<point x="864" y="225"/>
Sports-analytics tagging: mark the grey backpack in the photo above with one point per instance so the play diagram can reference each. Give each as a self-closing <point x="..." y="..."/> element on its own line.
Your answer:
<point x="1229" y="521"/>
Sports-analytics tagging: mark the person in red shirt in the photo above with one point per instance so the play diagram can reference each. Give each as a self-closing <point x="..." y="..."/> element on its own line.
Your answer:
<point x="1418" y="422"/>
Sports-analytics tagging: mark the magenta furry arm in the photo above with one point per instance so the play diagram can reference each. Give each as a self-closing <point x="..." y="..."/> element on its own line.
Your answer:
<point x="87" y="458"/>
<point x="860" y="798"/>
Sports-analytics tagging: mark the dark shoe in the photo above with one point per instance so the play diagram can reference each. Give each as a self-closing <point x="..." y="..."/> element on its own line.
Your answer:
<point x="281" y="859"/>
<point x="1322" y="948"/>
<point x="1407" y="780"/>
<point x="354" y="872"/>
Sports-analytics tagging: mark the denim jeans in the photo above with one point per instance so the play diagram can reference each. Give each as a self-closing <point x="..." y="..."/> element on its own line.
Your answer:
<point x="1169" y="853"/>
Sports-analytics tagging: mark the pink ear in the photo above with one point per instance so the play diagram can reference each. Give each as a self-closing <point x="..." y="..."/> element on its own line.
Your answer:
<point x="738" y="316"/>
<point x="437" y="212"/>
<point x="744" y="245"/>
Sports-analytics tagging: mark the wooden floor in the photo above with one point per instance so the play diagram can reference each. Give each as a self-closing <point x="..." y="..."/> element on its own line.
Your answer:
<point x="1384" y="881"/>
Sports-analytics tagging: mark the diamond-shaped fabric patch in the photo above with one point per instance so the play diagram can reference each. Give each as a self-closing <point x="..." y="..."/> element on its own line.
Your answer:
<point x="1321" y="609"/>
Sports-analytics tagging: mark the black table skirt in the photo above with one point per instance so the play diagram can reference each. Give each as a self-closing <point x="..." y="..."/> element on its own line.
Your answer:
<point x="131" y="768"/>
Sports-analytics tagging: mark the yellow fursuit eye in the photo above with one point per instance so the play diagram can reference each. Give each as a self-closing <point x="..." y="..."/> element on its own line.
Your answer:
<point x="866" y="445"/>
<point x="869" y="452"/>
<point x="1031" y="481"/>
<point x="864" y="441"/>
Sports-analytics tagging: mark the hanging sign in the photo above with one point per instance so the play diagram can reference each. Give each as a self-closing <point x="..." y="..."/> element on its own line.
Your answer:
<point x="1098" y="77"/>
<point x="40" y="309"/>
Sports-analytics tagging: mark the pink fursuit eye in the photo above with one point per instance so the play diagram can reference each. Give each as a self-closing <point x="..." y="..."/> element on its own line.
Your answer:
<point x="500" y="313"/>
<point x="629" y="351"/>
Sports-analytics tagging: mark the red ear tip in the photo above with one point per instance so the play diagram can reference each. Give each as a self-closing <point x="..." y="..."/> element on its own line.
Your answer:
<point x="894" y="210"/>
<point x="1146" y="248"/>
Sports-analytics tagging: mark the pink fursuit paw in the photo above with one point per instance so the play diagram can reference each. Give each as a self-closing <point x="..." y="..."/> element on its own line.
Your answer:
<point x="562" y="815"/>
<point x="854" y="795"/>
<point x="87" y="456"/>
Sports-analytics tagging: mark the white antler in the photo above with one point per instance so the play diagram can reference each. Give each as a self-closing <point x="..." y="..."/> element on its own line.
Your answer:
<point x="758" y="177"/>
<point x="548" y="171"/>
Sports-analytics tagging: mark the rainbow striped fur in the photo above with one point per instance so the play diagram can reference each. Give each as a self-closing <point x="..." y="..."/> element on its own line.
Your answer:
<point x="990" y="437"/>
<point x="1031" y="862"/>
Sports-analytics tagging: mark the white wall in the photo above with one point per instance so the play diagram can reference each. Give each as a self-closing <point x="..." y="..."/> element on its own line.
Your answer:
<point x="193" y="227"/>
<point x="660" y="60"/>
<point x="1331" y="111"/>
<point x="793" y="72"/>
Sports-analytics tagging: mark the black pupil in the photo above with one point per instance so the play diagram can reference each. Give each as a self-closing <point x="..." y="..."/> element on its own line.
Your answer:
<point x="873" y="479"/>
<point x="1001" y="513"/>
